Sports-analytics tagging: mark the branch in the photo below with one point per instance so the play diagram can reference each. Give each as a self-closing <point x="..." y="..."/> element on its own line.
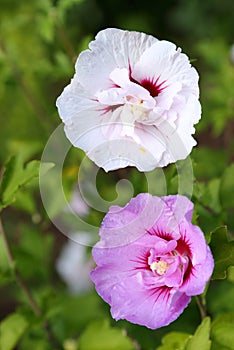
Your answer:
<point x="201" y="303"/>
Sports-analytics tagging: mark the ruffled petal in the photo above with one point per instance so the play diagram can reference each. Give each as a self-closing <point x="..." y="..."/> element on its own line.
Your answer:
<point x="196" y="280"/>
<point x="179" y="206"/>
<point x="162" y="60"/>
<point x="122" y="226"/>
<point x="195" y="240"/>
<point x="152" y="308"/>
<point x="73" y="101"/>
<point x="112" y="48"/>
<point x="175" y="209"/>
<point x="132" y="295"/>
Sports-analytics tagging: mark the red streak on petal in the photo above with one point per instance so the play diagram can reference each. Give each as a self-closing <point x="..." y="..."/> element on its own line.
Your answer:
<point x="162" y="292"/>
<point x="188" y="273"/>
<point x="153" y="86"/>
<point x="107" y="109"/>
<point x="183" y="248"/>
<point x="141" y="262"/>
<point x="150" y="84"/>
<point x="154" y="231"/>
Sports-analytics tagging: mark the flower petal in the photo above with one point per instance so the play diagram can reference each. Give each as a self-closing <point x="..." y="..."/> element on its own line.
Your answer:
<point x="124" y="225"/>
<point x="130" y="299"/>
<point x="111" y="48"/>
<point x="196" y="281"/>
<point x="72" y="101"/>
<point x="179" y="206"/>
<point x="152" y="308"/>
<point x="163" y="61"/>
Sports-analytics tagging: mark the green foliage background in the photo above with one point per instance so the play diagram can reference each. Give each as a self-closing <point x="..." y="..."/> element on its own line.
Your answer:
<point x="39" y="43"/>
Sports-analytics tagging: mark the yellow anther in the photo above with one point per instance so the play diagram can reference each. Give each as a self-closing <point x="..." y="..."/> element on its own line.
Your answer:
<point x="137" y="111"/>
<point x="160" y="267"/>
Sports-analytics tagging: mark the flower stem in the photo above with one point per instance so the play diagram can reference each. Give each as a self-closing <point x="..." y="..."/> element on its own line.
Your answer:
<point x="201" y="303"/>
<point x="33" y="304"/>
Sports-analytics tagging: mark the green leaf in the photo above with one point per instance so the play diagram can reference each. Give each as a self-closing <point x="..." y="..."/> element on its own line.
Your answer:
<point x="223" y="252"/>
<point x="200" y="340"/>
<point x="6" y="274"/>
<point x="25" y="201"/>
<point x="33" y="264"/>
<point x="4" y="265"/>
<point x="211" y="195"/>
<point x="222" y="333"/>
<point x="11" y="330"/>
<point x="100" y="336"/>
<point x="27" y="148"/>
<point x="174" y="341"/>
<point x="208" y="163"/>
<point x="88" y="306"/>
<point x="45" y="167"/>
<point x="16" y="175"/>
<point x="224" y="289"/>
<point x="70" y="344"/>
<point x="227" y="188"/>
<point x="35" y="338"/>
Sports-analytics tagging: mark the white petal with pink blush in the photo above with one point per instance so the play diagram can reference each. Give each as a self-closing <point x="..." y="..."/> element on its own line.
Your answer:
<point x="133" y="101"/>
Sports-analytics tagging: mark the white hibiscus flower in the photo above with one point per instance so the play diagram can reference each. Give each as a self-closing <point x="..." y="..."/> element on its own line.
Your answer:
<point x="133" y="101"/>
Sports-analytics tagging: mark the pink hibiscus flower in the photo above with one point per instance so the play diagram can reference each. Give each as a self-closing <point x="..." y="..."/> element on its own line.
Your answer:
<point x="133" y="101"/>
<point x="150" y="280"/>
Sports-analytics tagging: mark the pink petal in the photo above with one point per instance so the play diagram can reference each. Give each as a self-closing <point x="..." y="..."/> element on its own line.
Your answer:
<point x="195" y="282"/>
<point x="124" y="225"/>
<point x="180" y="206"/>
<point x="152" y="308"/>
<point x="194" y="238"/>
<point x="130" y="299"/>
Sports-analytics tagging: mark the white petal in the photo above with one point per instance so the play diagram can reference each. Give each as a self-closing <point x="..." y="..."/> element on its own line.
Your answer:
<point x="72" y="101"/>
<point x="178" y="146"/>
<point x="144" y="150"/>
<point x="164" y="61"/>
<point x="165" y="99"/>
<point x="151" y="140"/>
<point x="110" y="97"/>
<point x="120" y="153"/>
<point x="88" y="130"/>
<point x="121" y="78"/>
<point x="113" y="48"/>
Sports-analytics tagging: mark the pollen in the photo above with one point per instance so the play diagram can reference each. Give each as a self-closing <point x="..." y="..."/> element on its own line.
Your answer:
<point x="160" y="267"/>
<point x="138" y="111"/>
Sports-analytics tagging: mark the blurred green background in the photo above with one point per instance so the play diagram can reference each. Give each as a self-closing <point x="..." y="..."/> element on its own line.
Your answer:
<point x="39" y="43"/>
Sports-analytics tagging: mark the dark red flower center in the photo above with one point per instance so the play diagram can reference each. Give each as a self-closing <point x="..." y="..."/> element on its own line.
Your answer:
<point x="153" y="87"/>
<point x="183" y="248"/>
<point x="150" y="84"/>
